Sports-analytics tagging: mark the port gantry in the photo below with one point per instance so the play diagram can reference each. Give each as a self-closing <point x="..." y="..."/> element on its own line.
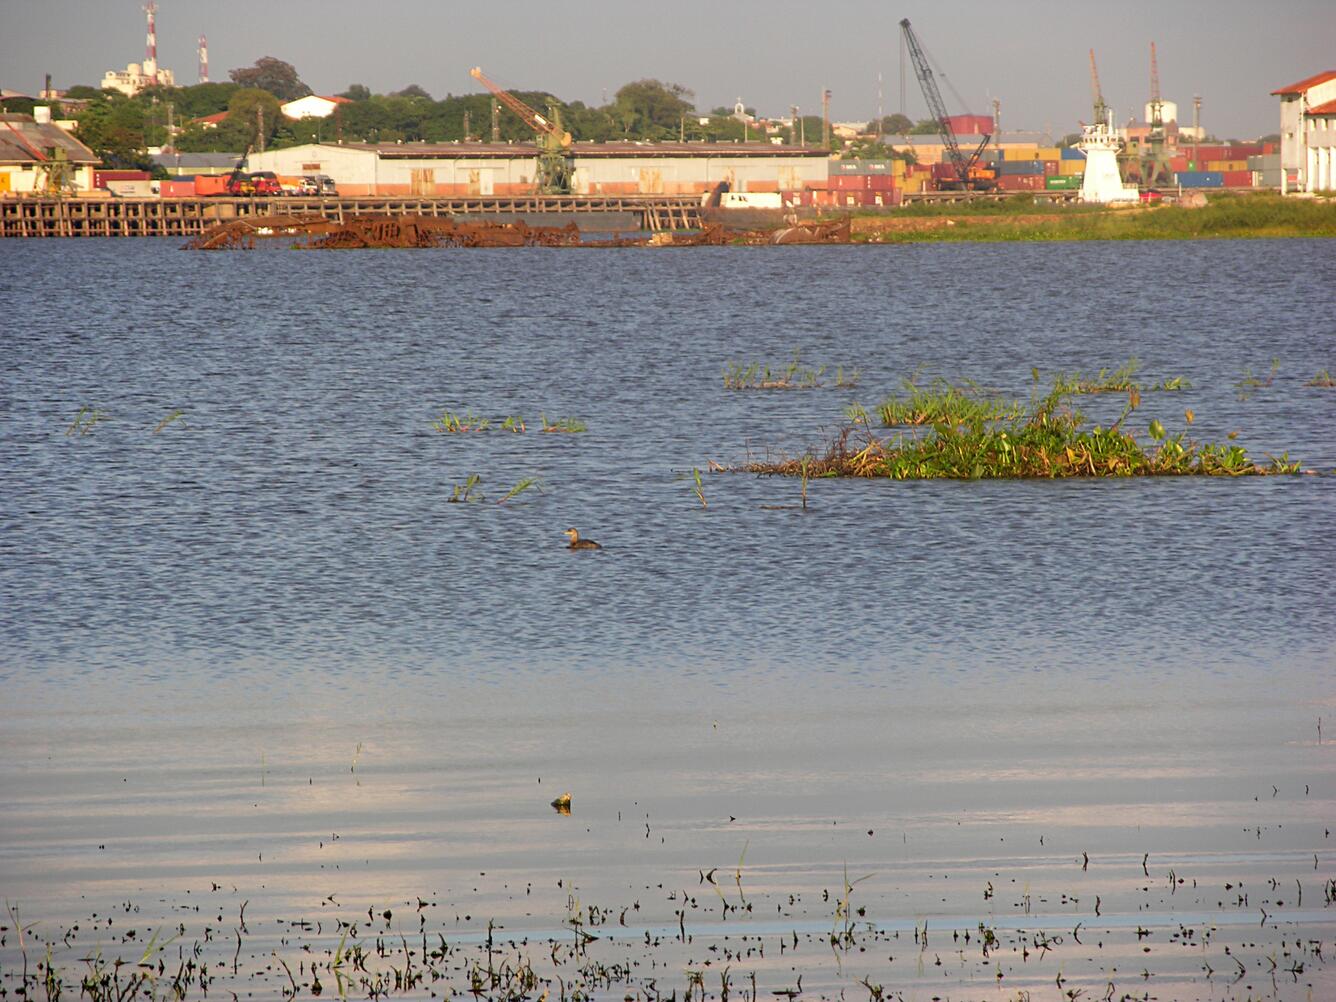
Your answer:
<point x="968" y="174"/>
<point x="555" y="169"/>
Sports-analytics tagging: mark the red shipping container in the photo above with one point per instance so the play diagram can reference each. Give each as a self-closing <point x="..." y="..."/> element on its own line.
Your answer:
<point x="880" y="182"/>
<point x="1179" y="163"/>
<point x="1021" y="182"/>
<point x="848" y="182"/>
<point x="1238" y="178"/>
<point x="178" y="189"/>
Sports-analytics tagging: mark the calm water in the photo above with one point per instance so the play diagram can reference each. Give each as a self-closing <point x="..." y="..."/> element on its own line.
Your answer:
<point x="264" y="626"/>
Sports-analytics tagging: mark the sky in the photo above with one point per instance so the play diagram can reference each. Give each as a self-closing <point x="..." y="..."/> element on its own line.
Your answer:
<point x="1031" y="55"/>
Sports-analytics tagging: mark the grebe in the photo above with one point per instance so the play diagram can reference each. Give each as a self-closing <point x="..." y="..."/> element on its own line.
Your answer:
<point x="580" y="544"/>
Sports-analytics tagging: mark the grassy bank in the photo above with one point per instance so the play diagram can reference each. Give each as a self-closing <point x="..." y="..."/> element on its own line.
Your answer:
<point x="1021" y="218"/>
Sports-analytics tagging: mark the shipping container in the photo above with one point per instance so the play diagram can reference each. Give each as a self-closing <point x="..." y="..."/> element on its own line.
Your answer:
<point x="1060" y="182"/>
<point x="1224" y="166"/>
<point x="1268" y="161"/>
<point x="1051" y="167"/>
<point x="178" y="187"/>
<point x="1071" y="168"/>
<point x="1021" y="167"/>
<point x="1072" y="153"/>
<point x="1048" y="153"/>
<point x="1238" y="179"/>
<point x="1200" y="179"/>
<point x="211" y="185"/>
<point x="1021" y="182"/>
<point x="1021" y="152"/>
<point x="1179" y="163"/>
<point x="102" y="177"/>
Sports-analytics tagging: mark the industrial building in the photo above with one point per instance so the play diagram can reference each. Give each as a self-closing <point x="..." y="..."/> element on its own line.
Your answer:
<point x="1308" y="133"/>
<point x="455" y="169"/>
<point x="39" y="157"/>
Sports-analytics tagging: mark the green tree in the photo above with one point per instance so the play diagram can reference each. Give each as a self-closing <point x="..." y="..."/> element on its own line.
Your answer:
<point x="113" y="128"/>
<point x="650" y="109"/>
<point x="357" y="92"/>
<point x="890" y="125"/>
<point x="273" y="75"/>
<point x="245" y="111"/>
<point x="925" y="127"/>
<point x="412" y="90"/>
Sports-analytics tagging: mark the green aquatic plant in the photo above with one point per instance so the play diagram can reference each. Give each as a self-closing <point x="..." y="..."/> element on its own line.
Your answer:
<point x="1051" y="441"/>
<point x="1323" y="379"/>
<point x="940" y="401"/>
<point x="1250" y="384"/>
<point x="755" y="376"/>
<point x="85" y="421"/>
<point x="1119" y="380"/>
<point x="523" y="485"/>
<point x="699" y="488"/>
<point x="450" y="422"/>
<point x="514" y="423"/>
<point x="572" y="426"/>
<point x="1173" y="384"/>
<point x="466" y="493"/>
<point x="175" y="415"/>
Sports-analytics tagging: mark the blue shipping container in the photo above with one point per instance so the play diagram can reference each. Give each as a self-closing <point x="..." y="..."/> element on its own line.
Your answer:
<point x="1200" y="179"/>
<point x="1071" y="153"/>
<point x="1022" y="166"/>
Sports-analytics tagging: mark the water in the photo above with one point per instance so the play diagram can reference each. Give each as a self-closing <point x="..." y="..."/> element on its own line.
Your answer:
<point x="265" y="625"/>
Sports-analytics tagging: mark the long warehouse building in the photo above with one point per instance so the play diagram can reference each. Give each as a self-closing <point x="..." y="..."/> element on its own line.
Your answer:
<point x="460" y="169"/>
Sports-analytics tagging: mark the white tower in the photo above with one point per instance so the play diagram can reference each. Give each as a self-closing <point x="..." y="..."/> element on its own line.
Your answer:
<point x="1102" y="181"/>
<point x="203" y="59"/>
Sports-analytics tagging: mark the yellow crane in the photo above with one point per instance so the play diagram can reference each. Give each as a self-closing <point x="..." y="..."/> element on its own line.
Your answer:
<point x="555" y="166"/>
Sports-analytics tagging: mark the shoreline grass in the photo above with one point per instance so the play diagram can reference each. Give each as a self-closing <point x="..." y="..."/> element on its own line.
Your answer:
<point x="1225" y="216"/>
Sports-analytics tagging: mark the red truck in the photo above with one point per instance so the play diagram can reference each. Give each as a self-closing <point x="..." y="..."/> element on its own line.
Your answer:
<point x="239" y="185"/>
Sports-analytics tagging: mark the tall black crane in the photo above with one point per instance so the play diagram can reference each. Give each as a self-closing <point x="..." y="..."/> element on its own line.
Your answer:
<point x="964" y="164"/>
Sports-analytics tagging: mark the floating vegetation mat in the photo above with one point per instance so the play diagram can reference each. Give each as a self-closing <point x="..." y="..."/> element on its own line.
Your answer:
<point x="1051" y="440"/>
<point x="794" y="376"/>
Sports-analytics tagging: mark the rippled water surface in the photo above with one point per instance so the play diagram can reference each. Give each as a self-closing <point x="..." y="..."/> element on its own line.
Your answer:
<point x="256" y="654"/>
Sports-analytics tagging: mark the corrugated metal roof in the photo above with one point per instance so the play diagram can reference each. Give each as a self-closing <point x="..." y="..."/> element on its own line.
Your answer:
<point x="23" y="141"/>
<point x="196" y="160"/>
<point x="1304" y="85"/>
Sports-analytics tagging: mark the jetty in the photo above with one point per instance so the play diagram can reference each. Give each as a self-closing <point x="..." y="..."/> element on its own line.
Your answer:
<point x="189" y="217"/>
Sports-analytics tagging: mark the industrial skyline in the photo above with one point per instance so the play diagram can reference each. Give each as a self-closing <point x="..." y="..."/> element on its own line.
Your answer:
<point x="1030" y="55"/>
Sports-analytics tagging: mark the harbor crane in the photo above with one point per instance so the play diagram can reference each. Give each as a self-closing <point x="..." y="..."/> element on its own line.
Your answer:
<point x="1101" y="109"/>
<point x="1154" y="161"/>
<point x="555" y="168"/>
<point x="969" y="175"/>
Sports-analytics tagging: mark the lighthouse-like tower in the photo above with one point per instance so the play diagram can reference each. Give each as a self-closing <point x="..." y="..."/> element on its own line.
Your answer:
<point x="1102" y="181"/>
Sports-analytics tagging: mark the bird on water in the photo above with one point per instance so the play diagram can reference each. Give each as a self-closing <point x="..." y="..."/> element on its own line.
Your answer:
<point x="581" y="544"/>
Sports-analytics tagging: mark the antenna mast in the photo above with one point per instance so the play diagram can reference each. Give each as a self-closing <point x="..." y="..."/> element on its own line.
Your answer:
<point x="203" y="59"/>
<point x="151" y="42"/>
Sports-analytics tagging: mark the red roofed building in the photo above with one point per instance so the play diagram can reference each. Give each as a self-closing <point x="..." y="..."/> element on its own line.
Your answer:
<point x="1308" y="133"/>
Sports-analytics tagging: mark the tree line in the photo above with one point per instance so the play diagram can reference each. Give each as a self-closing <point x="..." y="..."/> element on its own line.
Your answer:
<point x="120" y="128"/>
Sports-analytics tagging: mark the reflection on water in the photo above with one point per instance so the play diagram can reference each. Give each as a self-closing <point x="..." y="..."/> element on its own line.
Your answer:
<point x="260" y="649"/>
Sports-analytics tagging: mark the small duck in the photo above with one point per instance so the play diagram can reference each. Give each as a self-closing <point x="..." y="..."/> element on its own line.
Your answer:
<point x="581" y="544"/>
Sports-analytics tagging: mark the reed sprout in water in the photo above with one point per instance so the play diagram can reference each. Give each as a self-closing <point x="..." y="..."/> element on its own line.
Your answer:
<point x="469" y="492"/>
<point x="174" y="416"/>
<point x="940" y="401"/>
<point x="85" y="421"/>
<point x="794" y="376"/>
<point x="1322" y="379"/>
<point x="525" y="484"/>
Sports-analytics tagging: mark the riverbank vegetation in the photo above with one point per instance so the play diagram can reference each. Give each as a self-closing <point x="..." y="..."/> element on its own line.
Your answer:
<point x="1051" y="439"/>
<point x="1021" y="218"/>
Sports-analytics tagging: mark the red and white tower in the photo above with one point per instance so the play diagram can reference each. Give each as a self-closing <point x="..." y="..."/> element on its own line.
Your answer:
<point x="151" y="45"/>
<point x="203" y="59"/>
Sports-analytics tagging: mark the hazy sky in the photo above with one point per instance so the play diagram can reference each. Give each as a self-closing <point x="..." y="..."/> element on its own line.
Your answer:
<point x="1032" y="55"/>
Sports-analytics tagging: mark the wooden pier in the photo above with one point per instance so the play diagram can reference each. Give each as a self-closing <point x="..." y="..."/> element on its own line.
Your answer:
<point x="187" y="217"/>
